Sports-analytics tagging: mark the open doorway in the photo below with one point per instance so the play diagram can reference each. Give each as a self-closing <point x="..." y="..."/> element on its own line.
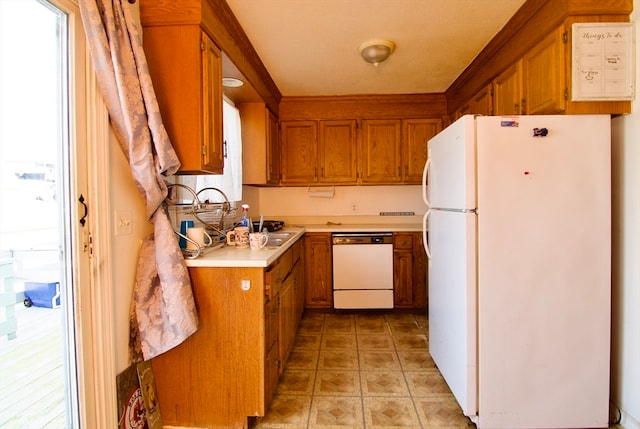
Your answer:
<point x="40" y="156"/>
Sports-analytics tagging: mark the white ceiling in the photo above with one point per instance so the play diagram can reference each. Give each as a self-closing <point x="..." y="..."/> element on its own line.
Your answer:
<point x="310" y="46"/>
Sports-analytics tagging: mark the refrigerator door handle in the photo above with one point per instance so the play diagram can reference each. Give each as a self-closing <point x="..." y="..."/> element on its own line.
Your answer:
<point x="425" y="174"/>
<point x="424" y="234"/>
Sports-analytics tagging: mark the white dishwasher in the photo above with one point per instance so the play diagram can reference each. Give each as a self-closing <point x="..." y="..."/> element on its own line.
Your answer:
<point x="362" y="270"/>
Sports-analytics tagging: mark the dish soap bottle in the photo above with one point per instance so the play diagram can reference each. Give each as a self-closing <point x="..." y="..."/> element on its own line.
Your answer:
<point x="244" y="220"/>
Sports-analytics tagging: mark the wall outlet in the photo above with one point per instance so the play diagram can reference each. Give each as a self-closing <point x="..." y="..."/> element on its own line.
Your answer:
<point x="354" y="207"/>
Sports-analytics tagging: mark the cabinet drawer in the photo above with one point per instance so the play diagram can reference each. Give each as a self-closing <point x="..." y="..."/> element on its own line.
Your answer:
<point x="277" y="273"/>
<point x="402" y="241"/>
<point x="296" y="252"/>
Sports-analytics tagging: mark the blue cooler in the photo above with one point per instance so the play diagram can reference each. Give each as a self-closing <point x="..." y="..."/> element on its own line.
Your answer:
<point x="43" y="294"/>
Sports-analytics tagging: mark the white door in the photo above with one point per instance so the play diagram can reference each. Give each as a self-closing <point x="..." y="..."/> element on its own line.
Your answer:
<point x="43" y="131"/>
<point x="544" y="271"/>
<point x="452" y="302"/>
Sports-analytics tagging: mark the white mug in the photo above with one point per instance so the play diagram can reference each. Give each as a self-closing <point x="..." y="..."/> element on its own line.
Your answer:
<point x="200" y="236"/>
<point x="257" y="240"/>
<point x="239" y="237"/>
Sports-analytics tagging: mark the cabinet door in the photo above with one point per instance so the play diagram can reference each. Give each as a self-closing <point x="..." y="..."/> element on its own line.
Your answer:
<point x="409" y="271"/>
<point x="272" y="362"/>
<point x="381" y="161"/>
<point x="507" y="91"/>
<point x="298" y="271"/>
<point x="337" y="151"/>
<point x="402" y="270"/>
<point x="416" y="134"/>
<point x="544" y="76"/>
<point x="318" y="270"/>
<point x="482" y="102"/>
<point x="260" y="144"/>
<point x="420" y="267"/>
<point x="287" y="319"/>
<point x="273" y="149"/>
<point x="212" y="144"/>
<point x="299" y="151"/>
<point x="183" y="64"/>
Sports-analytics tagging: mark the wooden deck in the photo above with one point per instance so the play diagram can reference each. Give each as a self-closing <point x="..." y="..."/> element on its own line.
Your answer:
<point x="32" y="383"/>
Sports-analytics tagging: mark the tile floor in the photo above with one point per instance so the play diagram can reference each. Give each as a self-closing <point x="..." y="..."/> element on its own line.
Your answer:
<point x="362" y="371"/>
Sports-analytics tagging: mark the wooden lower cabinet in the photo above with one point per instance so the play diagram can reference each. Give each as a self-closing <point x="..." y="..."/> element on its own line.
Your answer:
<point x="272" y="361"/>
<point x="228" y="370"/>
<point x="291" y="303"/>
<point x="409" y="271"/>
<point x="318" y="270"/>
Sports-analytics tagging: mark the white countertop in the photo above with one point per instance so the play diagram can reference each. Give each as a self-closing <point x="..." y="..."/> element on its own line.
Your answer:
<point x="230" y="256"/>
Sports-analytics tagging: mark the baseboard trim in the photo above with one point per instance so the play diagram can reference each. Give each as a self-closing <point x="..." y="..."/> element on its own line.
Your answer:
<point x="627" y="421"/>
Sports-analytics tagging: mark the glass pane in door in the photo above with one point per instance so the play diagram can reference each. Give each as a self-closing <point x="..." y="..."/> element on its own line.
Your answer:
<point x="37" y="345"/>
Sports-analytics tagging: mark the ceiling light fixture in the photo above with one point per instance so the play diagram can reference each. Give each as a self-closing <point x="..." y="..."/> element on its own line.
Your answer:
<point x="376" y="51"/>
<point x="231" y="82"/>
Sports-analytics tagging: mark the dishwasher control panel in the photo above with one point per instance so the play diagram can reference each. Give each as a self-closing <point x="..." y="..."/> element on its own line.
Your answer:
<point x="362" y="238"/>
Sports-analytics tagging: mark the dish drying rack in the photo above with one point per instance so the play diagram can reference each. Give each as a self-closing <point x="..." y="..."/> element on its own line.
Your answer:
<point x="210" y="215"/>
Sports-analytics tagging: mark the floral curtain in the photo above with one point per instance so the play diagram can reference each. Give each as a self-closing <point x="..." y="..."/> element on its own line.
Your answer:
<point x="163" y="312"/>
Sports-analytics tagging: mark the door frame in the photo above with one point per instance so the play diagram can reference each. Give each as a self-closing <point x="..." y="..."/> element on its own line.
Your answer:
<point x="93" y="300"/>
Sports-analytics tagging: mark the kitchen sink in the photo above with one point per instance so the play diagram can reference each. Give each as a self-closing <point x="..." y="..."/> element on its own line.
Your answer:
<point x="278" y="238"/>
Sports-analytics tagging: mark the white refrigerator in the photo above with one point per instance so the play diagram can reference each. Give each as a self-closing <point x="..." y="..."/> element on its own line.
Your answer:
<point x="519" y="251"/>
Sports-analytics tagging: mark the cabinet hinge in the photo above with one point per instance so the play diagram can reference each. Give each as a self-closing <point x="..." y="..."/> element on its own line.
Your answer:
<point x="565" y="37"/>
<point x="202" y="47"/>
<point x="491" y="91"/>
<point x="566" y="93"/>
<point x="204" y="149"/>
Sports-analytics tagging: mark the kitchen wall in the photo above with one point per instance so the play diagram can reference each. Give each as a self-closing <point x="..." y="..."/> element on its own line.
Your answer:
<point x="275" y="202"/>
<point x="625" y="350"/>
<point x="125" y="248"/>
<point x="346" y="204"/>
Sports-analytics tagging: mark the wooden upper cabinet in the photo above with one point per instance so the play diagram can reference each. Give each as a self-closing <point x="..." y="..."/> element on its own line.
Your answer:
<point x="482" y="102"/>
<point x="260" y="144"/>
<point x="507" y="91"/>
<point x="381" y="161"/>
<point x="186" y="71"/>
<point x="299" y="152"/>
<point x="337" y="150"/>
<point x="416" y="134"/>
<point x="273" y="151"/>
<point x="538" y="39"/>
<point x="212" y="144"/>
<point x="544" y="76"/>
